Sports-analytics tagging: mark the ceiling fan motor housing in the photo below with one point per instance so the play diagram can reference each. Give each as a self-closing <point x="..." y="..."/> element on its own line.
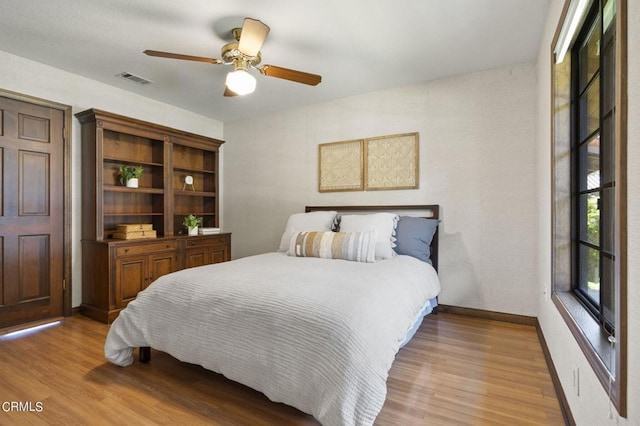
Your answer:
<point x="231" y="54"/>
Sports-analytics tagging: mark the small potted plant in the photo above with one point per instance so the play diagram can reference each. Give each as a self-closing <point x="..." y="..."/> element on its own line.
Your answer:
<point x="192" y="223"/>
<point x="129" y="175"/>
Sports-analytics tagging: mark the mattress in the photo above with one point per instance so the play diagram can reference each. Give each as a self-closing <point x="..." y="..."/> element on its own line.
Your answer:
<point x="317" y="334"/>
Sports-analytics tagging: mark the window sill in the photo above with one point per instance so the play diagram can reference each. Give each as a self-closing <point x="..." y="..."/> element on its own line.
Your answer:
<point x="590" y="337"/>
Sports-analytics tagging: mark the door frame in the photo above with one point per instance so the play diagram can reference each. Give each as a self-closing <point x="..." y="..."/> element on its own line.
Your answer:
<point x="66" y="268"/>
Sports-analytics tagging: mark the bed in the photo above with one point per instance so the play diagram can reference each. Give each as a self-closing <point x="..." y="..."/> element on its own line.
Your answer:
<point x="315" y="325"/>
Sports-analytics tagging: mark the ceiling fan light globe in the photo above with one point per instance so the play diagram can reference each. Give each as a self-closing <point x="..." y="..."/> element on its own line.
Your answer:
<point x="241" y="82"/>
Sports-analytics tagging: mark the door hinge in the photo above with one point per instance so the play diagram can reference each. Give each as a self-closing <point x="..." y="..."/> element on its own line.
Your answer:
<point x="64" y="285"/>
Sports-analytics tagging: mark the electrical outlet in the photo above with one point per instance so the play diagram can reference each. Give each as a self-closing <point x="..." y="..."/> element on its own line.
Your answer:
<point x="576" y="380"/>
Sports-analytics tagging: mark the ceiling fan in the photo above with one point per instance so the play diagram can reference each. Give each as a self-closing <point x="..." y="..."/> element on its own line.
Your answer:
<point x="245" y="54"/>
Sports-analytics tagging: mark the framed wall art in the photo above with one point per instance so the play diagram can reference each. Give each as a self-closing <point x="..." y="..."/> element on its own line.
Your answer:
<point x="380" y="163"/>
<point x="341" y="166"/>
<point x="391" y="162"/>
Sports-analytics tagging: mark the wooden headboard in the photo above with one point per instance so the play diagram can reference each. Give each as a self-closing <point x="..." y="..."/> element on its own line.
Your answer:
<point x="430" y="211"/>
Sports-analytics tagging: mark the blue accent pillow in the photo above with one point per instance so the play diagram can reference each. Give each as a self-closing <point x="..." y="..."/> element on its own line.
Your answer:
<point x="414" y="235"/>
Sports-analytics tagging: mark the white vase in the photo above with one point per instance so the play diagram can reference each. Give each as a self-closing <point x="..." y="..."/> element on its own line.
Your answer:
<point x="132" y="183"/>
<point x="193" y="231"/>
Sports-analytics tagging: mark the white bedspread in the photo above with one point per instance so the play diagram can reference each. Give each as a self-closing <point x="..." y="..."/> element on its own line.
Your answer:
<point x="316" y="334"/>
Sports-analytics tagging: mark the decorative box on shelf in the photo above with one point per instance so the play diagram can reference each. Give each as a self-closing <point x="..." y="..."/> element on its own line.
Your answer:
<point x="134" y="231"/>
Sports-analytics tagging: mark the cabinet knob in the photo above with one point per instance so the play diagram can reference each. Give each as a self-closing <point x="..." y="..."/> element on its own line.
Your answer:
<point x="126" y="250"/>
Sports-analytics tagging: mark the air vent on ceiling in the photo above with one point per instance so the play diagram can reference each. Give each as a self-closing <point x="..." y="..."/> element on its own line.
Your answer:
<point x="135" y="78"/>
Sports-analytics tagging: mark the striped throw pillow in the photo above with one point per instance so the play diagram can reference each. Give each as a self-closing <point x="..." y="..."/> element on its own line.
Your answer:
<point x="356" y="246"/>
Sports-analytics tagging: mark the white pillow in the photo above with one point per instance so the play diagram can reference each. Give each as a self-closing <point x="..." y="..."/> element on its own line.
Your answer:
<point x="313" y="221"/>
<point x="383" y="223"/>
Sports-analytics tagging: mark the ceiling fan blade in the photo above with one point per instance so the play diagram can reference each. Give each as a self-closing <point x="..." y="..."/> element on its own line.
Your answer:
<point x="228" y="92"/>
<point x="180" y="56"/>
<point x="292" y="75"/>
<point x="252" y="36"/>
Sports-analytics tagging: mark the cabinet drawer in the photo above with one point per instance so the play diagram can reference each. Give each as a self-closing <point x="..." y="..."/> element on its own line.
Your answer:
<point x="207" y="241"/>
<point x="145" y="248"/>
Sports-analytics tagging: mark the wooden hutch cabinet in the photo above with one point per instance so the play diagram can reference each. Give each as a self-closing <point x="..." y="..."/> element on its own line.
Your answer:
<point x="115" y="270"/>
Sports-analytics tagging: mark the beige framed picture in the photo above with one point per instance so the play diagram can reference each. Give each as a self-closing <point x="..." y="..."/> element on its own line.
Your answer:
<point x="341" y="166"/>
<point x="391" y="162"/>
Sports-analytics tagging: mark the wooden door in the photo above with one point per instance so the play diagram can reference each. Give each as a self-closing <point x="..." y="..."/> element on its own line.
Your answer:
<point x="31" y="212"/>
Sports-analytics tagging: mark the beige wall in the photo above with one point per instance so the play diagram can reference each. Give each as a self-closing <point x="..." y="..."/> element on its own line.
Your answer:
<point x="34" y="79"/>
<point x="592" y="406"/>
<point x="477" y="160"/>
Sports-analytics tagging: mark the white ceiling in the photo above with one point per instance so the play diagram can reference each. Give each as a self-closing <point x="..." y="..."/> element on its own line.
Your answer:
<point x="357" y="46"/>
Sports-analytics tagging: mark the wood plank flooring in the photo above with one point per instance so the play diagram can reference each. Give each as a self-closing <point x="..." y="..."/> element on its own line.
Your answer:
<point x="456" y="371"/>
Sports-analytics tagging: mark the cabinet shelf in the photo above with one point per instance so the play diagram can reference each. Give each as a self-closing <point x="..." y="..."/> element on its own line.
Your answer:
<point x="124" y="189"/>
<point x="167" y="157"/>
<point x="199" y="214"/>
<point x="195" y="193"/>
<point x="132" y="214"/>
<point x="130" y="161"/>
<point x="193" y="170"/>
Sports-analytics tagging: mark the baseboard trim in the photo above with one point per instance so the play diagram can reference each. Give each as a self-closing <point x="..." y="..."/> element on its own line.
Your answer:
<point x="562" y="398"/>
<point x="524" y="320"/>
<point x="75" y="311"/>
<point x="490" y="315"/>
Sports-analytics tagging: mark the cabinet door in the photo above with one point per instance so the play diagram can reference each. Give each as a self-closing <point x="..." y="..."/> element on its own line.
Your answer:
<point x="161" y="264"/>
<point x="218" y="253"/>
<point x="131" y="277"/>
<point x="196" y="256"/>
<point x="206" y="255"/>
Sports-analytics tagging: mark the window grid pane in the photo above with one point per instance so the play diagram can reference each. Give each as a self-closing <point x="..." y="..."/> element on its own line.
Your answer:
<point x="589" y="273"/>
<point x="589" y="55"/>
<point x="607" y="224"/>
<point x="608" y="290"/>
<point x="590" y="218"/>
<point x="590" y="110"/>
<point x="589" y="158"/>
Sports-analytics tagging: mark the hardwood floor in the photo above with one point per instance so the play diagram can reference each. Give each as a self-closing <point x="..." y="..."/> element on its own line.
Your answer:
<point x="456" y="371"/>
